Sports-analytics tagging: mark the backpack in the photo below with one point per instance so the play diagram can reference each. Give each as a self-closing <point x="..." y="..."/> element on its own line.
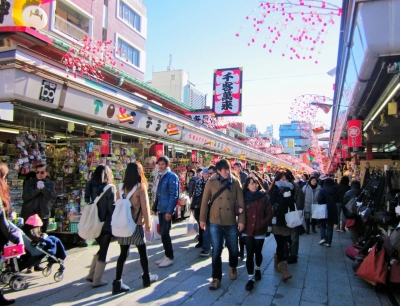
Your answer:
<point x="122" y="224"/>
<point x="90" y="226"/>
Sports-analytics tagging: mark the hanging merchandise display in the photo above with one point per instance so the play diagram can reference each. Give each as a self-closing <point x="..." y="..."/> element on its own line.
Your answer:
<point x="354" y="132"/>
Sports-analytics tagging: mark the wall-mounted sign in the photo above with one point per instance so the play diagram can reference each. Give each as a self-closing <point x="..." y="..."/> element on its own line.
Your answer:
<point x="47" y="91"/>
<point x="106" y="144"/>
<point x="227" y="92"/>
<point x="354" y="132"/>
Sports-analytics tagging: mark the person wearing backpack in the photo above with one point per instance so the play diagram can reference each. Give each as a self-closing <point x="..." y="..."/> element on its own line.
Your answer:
<point x="134" y="190"/>
<point x="165" y="203"/>
<point x="101" y="178"/>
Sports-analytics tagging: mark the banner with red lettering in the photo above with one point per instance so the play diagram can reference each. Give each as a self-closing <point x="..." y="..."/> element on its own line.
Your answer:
<point x="215" y="159"/>
<point x="194" y="156"/>
<point x="345" y="149"/>
<point x="354" y="132"/>
<point x="106" y="144"/>
<point x="159" y="150"/>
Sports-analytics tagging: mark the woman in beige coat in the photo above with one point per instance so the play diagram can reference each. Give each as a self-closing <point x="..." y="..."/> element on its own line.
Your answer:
<point x="135" y="178"/>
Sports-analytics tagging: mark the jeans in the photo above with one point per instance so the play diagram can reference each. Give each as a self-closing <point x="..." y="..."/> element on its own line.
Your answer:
<point x="165" y="227"/>
<point x="104" y="242"/>
<point x="204" y="235"/>
<point x="253" y="247"/>
<point x="294" y="250"/>
<point x="327" y="231"/>
<point x="218" y="233"/>
<point x="340" y="216"/>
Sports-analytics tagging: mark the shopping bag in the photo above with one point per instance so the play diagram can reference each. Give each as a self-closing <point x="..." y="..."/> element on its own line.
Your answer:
<point x="149" y="237"/>
<point x="294" y="218"/>
<point x="192" y="226"/>
<point x="155" y="225"/>
<point x="374" y="267"/>
<point x="12" y="250"/>
<point x="319" y="211"/>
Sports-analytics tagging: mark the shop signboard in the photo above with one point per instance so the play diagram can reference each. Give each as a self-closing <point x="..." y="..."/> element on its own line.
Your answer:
<point x="354" y="132"/>
<point x="84" y="104"/>
<point x="159" y="150"/>
<point x="106" y="144"/>
<point x="345" y="149"/>
<point x="27" y="87"/>
<point x="194" y="156"/>
<point x="200" y="115"/>
<point x="6" y="111"/>
<point x="227" y="92"/>
<point x="211" y="143"/>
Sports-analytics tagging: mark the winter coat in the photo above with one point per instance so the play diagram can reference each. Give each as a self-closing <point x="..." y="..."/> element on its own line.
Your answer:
<point x="281" y="204"/>
<point x="37" y="201"/>
<point x="192" y="183"/>
<point x="167" y="194"/>
<point x="327" y="196"/>
<point x="299" y="197"/>
<point x="258" y="216"/>
<point x="222" y="211"/>
<point x="341" y="189"/>
<point x="311" y="196"/>
<point x="198" y="194"/>
<point x="5" y="230"/>
<point x="105" y="206"/>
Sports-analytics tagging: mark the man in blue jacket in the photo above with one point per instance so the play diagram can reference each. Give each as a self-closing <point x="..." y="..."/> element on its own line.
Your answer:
<point x="165" y="203"/>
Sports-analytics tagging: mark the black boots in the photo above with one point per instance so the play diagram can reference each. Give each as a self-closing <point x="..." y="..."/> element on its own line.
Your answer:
<point x="148" y="279"/>
<point x="119" y="287"/>
<point x="4" y="301"/>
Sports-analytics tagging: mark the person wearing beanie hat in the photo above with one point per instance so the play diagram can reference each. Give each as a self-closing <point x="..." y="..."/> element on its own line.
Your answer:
<point x="167" y="193"/>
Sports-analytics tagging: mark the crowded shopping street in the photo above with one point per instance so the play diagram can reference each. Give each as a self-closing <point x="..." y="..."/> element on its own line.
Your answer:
<point x="200" y="152"/>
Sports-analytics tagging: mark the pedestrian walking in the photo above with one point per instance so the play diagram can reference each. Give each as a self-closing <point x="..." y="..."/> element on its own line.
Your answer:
<point x="282" y="200"/>
<point x="101" y="177"/>
<point x="135" y="183"/>
<point x="311" y="191"/>
<point x="327" y="196"/>
<point x="204" y="235"/>
<point x="341" y="189"/>
<point x="165" y="204"/>
<point x="5" y="230"/>
<point x="258" y="218"/>
<point x="225" y="194"/>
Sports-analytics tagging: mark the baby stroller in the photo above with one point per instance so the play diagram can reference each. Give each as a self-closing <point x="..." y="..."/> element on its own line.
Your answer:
<point x="35" y="255"/>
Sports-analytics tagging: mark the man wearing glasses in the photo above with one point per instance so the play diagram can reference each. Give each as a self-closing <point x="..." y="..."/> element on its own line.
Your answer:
<point x="38" y="194"/>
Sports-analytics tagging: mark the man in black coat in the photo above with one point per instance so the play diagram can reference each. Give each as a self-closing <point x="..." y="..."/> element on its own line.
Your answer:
<point x="38" y="194"/>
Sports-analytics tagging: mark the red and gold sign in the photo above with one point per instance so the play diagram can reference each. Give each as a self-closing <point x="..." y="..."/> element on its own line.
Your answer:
<point x="106" y="144"/>
<point x="159" y="150"/>
<point x="194" y="156"/>
<point x="354" y="132"/>
<point x="215" y="159"/>
<point x="345" y="149"/>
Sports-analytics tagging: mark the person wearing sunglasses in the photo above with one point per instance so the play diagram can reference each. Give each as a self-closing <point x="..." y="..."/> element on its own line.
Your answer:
<point x="38" y="193"/>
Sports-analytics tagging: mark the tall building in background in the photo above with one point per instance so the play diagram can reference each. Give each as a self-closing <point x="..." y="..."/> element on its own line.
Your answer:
<point x="122" y="21"/>
<point x="292" y="138"/>
<point x="176" y="84"/>
<point x="251" y="130"/>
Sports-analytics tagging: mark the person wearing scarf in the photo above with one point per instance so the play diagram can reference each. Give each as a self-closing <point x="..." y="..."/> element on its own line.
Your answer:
<point x="258" y="218"/>
<point x="222" y="218"/>
<point x="282" y="200"/>
<point x="311" y="191"/>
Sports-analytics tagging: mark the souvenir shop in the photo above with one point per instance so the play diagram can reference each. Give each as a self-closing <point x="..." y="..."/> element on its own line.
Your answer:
<point x="75" y="125"/>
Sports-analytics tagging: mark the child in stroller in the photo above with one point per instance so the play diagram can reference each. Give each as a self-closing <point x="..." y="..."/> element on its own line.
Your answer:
<point x="39" y="248"/>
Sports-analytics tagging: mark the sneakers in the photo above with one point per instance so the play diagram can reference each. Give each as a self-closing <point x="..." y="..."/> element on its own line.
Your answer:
<point x="322" y="241"/>
<point x="148" y="279"/>
<point x="215" y="284"/>
<point x="327" y="245"/>
<point x="204" y="253"/>
<point x="199" y="245"/>
<point x="257" y="276"/>
<point x="232" y="273"/>
<point x="338" y="229"/>
<point x="249" y="285"/>
<point x="166" y="263"/>
<point x="161" y="260"/>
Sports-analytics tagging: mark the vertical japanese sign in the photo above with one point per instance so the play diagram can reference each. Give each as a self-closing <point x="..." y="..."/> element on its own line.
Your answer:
<point x="194" y="156"/>
<point x="106" y="144"/>
<point x="345" y="149"/>
<point x="159" y="150"/>
<point x="354" y="132"/>
<point x="227" y="92"/>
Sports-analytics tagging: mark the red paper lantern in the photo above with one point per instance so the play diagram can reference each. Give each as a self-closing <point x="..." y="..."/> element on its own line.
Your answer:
<point x="194" y="156"/>
<point x="106" y="144"/>
<point x="345" y="149"/>
<point x="214" y="159"/>
<point x="159" y="150"/>
<point x="354" y="132"/>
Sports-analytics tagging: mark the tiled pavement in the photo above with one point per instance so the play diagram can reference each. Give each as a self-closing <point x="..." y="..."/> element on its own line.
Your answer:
<point x="323" y="276"/>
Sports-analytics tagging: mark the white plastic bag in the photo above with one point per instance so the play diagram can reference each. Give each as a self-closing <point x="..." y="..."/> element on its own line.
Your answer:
<point x="155" y="225"/>
<point x="192" y="226"/>
<point x="294" y="218"/>
<point x="149" y="237"/>
<point x="319" y="211"/>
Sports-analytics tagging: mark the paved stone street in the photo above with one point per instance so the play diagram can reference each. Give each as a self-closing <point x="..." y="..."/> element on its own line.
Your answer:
<point x="323" y="276"/>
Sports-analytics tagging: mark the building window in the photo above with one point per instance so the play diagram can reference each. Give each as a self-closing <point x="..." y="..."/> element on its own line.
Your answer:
<point x="128" y="52"/>
<point x="127" y="14"/>
<point x="104" y="35"/>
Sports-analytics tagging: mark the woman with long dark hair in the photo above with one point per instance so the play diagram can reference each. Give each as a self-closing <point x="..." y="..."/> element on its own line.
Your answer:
<point x="282" y="200"/>
<point x="258" y="217"/>
<point x="5" y="230"/>
<point x="101" y="177"/>
<point x="140" y="207"/>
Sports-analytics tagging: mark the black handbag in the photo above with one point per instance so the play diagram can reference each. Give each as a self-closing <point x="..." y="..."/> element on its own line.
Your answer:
<point x="384" y="217"/>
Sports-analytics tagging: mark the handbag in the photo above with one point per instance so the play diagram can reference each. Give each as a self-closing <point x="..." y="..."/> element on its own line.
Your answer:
<point x="351" y="208"/>
<point x="352" y="252"/>
<point x="374" y="267"/>
<point x="90" y="226"/>
<point x="319" y="211"/>
<point x="384" y="217"/>
<point x="395" y="272"/>
<point x="294" y="218"/>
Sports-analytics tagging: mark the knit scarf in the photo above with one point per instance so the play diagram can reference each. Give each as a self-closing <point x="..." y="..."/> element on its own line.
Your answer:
<point x="284" y="185"/>
<point x="225" y="182"/>
<point x="252" y="196"/>
<point x="157" y="179"/>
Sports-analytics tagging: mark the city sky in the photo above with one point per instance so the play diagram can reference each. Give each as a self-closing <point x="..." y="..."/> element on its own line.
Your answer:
<point x="201" y="37"/>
